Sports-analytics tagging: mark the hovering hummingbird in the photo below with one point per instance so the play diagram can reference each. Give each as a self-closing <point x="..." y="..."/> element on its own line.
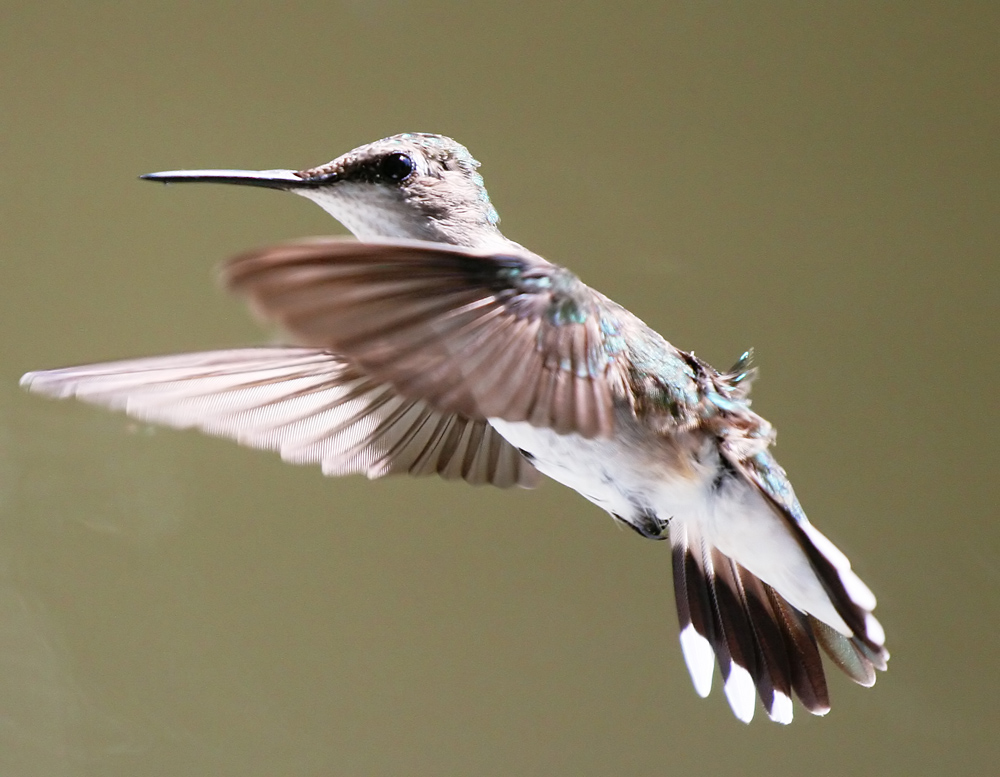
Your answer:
<point x="438" y="346"/>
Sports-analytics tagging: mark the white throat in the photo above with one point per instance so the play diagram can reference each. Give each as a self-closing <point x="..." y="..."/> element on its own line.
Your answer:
<point x="370" y="211"/>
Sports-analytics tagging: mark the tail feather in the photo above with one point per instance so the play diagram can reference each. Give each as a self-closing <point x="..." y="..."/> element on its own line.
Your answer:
<point x="734" y="645"/>
<point x="846" y="652"/>
<point x="775" y="673"/>
<point x="808" y="679"/>
<point x="852" y="600"/>
<point x="878" y="658"/>
<point x="694" y="610"/>
<point x="763" y="645"/>
<point x="729" y="616"/>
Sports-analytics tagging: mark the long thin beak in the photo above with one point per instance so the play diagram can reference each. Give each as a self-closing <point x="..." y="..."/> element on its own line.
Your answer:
<point x="268" y="179"/>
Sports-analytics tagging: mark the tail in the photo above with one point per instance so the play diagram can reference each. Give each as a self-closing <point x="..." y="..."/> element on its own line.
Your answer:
<point x="764" y="645"/>
<point x="759" y="589"/>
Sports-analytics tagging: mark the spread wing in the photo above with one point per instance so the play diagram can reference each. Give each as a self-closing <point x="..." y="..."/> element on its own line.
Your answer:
<point x="308" y="404"/>
<point x="481" y="334"/>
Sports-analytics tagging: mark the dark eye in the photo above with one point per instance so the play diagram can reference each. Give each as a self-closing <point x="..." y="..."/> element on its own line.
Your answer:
<point x="395" y="167"/>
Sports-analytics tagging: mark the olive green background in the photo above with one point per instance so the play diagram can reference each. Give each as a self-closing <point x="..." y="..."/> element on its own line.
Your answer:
<point x="818" y="180"/>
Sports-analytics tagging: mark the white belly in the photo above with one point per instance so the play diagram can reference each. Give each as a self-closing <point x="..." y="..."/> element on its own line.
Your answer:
<point x="595" y="468"/>
<point x="736" y="518"/>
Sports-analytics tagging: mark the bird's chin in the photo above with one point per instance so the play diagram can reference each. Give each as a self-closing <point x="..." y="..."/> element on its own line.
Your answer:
<point x="370" y="212"/>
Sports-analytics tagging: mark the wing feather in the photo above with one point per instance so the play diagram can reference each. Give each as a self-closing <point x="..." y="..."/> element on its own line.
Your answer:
<point x="476" y="333"/>
<point x="309" y="404"/>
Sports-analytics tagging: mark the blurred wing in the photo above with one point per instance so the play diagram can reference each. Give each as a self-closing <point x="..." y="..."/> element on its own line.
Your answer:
<point x="476" y="333"/>
<point x="308" y="404"/>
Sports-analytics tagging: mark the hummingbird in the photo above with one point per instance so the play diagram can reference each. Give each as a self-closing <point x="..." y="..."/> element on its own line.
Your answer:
<point x="431" y="344"/>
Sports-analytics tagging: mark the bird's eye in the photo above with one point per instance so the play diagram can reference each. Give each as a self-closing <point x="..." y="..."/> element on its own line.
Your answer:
<point x="395" y="167"/>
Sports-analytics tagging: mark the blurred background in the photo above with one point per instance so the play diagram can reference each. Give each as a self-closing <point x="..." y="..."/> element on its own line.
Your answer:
<point x="819" y="181"/>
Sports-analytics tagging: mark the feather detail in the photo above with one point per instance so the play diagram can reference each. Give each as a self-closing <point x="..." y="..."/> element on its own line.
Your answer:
<point x="479" y="334"/>
<point x="308" y="404"/>
<point x="851" y="598"/>
<point x="762" y="644"/>
<point x="694" y="613"/>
